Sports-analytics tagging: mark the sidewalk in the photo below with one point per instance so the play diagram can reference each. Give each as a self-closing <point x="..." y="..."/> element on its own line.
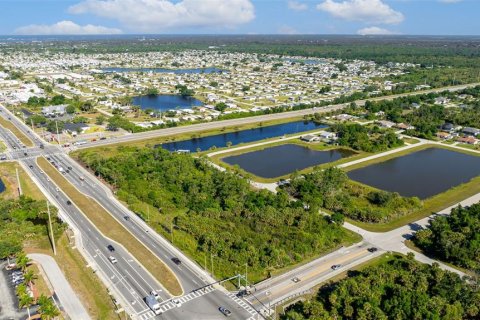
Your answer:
<point x="67" y="297"/>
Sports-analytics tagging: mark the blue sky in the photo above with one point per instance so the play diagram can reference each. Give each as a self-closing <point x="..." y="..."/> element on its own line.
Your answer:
<point x="419" y="17"/>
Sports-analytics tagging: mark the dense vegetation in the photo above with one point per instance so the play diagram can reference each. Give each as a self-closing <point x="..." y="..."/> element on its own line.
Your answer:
<point x="454" y="238"/>
<point x="217" y="212"/>
<point x="397" y="289"/>
<point x="22" y="220"/>
<point x="365" y="138"/>
<point x="331" y="189"/>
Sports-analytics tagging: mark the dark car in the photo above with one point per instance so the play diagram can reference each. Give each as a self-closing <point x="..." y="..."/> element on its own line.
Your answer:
<point x="69" y="168"/>
<point x="25" y="154"/>
<point x="225" y="311"/>
<point x="110" y="248"/>
<point x="336" y="266"/>
<point x="31" y="166"/>
<point x="176" y="261"/>
<point x="69" y="202"/>
<point x="372" y="249"/>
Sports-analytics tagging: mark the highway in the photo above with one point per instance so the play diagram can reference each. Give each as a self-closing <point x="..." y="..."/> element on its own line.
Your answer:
<point x="127" y="278"/>
<point x="262" y="118"/>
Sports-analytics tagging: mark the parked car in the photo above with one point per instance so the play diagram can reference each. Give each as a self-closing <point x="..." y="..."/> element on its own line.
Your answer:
<point x="225" y="311"/>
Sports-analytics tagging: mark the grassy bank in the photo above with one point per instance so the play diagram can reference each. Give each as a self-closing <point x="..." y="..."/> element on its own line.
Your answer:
<point x="112" y="229"/>
<point x="23" y="138"/>
<point x="9" y="178"/>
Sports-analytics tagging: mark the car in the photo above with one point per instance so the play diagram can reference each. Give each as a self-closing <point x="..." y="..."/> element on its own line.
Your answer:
<point x="82" y="178"/>
<point x="69" y="202"/>
<point x="336" y="266"/>
<point x="126" y="218"/>
<point x="69" y="168"/>
<point x="112" y="259"/>
<point x="25" y="154"/>
<point x="57" y="189"/>
<point x="14" y="147"/>
<point x="30" y="166"/>
<point x="67" y="171"/>
<point x="48" y="158"/>
<point x="155" y="294"/>
<point x="110" y="248"/>
<point x="372" y="249"/>
<point x="176" y="261"/>
<point x="225" y="311"/>
<point x="103" y="138"/>
<point x="295" y="279"/>
<point x="177" y="303"/>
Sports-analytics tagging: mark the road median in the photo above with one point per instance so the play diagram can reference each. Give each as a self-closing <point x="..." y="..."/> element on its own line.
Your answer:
<point x="112" y="229"/>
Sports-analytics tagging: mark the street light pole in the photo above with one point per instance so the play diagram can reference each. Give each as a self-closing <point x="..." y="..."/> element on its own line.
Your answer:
<point x="51" y="229"/>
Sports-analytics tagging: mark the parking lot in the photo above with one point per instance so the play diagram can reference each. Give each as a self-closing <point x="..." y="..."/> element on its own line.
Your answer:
<point x="8" y="300"/>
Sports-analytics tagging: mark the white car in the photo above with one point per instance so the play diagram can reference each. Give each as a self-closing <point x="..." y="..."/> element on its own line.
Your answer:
<point x="155" y="294"/>
<point x="112" y="259"/>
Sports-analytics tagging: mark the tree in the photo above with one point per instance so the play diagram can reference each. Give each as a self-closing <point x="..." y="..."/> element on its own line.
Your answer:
<point x="152" y="92"/>
<point x="38" y="119"/>
<point x="29" y="276"/>
<point x="70" y="109"/>
<point x="100" y="119"/>
<point x="221" y="106"/>
<point x="52" y="126"/>
<point x="22" y="260"/>
<point x="47" y="309"/>
<point x="214" y="84"/>
<point x="87" y="106"/>
<point x="25" y="301"/>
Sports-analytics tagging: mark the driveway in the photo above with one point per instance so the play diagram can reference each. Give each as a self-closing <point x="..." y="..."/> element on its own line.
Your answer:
<point x="67" y="297"/>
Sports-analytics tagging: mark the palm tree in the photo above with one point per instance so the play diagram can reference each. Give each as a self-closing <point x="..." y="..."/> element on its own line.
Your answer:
<point x="25" y="301"/>
<point x="22" y="260"/>
<point x="29" y="277"/>
<point x="47" y="309"/>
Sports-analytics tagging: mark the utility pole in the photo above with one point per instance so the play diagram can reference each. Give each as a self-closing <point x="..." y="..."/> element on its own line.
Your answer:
<point x="19" y="184"/>
<point x="211" y="260"/>
<point x="51" y="229"/>
<point x="58" y="135"/>
<point x="246" y="278"/>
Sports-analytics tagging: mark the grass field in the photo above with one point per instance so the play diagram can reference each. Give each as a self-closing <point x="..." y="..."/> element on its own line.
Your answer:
<point x="9" y="178"/>
<point x="112" y="229"/>
<point x="23" y="138"/>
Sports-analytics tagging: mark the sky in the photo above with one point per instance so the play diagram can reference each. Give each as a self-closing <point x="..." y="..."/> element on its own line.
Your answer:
<point x="364" y="17"/>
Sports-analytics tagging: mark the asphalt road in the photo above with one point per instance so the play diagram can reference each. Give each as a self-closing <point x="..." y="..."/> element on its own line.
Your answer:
<point x="249" y="120"/>
<point x="127" y="277"/>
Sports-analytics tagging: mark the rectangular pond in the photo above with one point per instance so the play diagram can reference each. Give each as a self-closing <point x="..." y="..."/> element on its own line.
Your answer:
<point x="244" y="136"/>
<point x="284" y="159"/>
<point x="421" y="174"/>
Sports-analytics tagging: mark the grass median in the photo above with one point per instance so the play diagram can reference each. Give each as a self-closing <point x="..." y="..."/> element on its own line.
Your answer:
<point x="23" y="138"/>
<point x="112" y="229"/>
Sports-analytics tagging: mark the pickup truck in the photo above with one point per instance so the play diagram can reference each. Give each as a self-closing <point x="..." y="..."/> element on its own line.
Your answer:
<point x="153" y="303"/>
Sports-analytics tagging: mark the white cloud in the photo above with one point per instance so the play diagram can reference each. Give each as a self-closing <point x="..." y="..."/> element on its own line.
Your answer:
<point x="287" y="30"/>
<point x="297" y="6"/>
<point x="368" y="11"/>
<point x="158" y="15"/>
<point x="65" y="27"/>
<point x="374" y="31"/>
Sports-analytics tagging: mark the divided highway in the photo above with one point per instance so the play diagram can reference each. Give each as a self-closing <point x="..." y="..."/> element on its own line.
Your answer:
<point x="127" y="278"/>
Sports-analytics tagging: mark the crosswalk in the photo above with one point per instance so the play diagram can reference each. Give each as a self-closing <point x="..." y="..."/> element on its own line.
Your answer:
<point x="197" y="294"/>
<point x="183" y="299"/>
<point x="244" y="305"/>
